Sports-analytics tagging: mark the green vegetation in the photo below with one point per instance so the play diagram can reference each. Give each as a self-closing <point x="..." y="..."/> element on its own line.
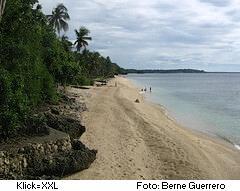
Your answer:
<point x="34" y="60"/>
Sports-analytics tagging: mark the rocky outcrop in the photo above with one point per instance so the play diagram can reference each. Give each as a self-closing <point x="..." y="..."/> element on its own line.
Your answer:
<point x="46" y="161"/>
<point x="65" y="124"/>
<point x="53" y="148"/>
<point x="66" y="162"/>
<point x="12" y="166"/>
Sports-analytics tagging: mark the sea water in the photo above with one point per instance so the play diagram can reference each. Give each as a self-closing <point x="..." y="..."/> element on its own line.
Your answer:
<point x="207" y="102"/>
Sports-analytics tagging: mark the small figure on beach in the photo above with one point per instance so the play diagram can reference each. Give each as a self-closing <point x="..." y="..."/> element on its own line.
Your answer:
<point x="150" y="89"/>
<point x="145" y="89"/>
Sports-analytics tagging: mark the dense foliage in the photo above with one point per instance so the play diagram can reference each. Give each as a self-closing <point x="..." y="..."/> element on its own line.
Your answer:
<point x="33" y="61"/>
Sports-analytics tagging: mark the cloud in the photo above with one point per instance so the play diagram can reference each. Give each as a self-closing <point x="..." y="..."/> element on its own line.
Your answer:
<point x="202" y="34"/>
<point x="218" y="3"/>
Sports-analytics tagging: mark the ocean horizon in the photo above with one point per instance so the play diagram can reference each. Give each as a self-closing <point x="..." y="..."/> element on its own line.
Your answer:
<point x="206" y="102"/>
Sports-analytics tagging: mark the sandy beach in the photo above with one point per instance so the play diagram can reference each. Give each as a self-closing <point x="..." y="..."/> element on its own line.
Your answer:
<point x="139" y="141"/>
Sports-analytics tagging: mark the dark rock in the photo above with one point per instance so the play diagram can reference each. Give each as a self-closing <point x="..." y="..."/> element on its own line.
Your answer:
<point x="55" y="111"/>
<point x="80" y="107"/>
<point x="68" y="99"/>
<point x="72" y="104"/>
<point x="36" y="162"/>
<point x="62" y="164"/>
<point x="66" y="124"/>
<point x="137" y="101"/>
<point x="71" y="162"/>
<point x="78" y="145"/>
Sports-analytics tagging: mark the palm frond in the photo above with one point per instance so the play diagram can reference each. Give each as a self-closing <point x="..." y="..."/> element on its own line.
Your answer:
<point x="85" y="42"/>
<point x="75" y="42"/>
<point x="61" y="6"/>
<point x="65" y="16"/>
<point x="87" y="38"/>
<point x="63" y="25"/>
<point x="76" y="32"/>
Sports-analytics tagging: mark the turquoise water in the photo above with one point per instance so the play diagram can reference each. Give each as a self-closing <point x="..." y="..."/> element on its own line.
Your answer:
<point x="208" y="102"/>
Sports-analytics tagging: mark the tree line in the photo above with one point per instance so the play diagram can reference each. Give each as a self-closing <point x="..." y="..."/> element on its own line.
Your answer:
<point x="35" y="59"/>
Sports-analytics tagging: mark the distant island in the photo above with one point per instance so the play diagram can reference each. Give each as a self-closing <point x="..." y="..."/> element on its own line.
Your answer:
<point x="128" y="71"/>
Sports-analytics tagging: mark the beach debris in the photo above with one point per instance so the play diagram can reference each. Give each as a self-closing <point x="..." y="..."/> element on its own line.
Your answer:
<point x="80" y="87"/>
<point x="101" y="83"/>
<point x="137" y="101"/>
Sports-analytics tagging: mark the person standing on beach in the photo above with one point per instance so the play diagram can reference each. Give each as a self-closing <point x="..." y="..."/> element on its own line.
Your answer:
<point x="150" y="89"/>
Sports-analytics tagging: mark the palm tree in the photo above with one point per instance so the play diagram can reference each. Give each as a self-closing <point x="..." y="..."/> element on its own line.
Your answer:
<point x="2" y="7"/>
<point x="59" y="18"/>
<point x="82" y="38"/>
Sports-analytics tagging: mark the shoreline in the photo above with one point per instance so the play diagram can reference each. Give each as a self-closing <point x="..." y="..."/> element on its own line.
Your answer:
<point x="182" y="125"/>
<point x="188" y="128"/>
<point x="141" y="141"/>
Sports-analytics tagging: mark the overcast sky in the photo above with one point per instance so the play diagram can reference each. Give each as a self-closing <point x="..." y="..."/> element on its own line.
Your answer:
<point x="160" y="34"/>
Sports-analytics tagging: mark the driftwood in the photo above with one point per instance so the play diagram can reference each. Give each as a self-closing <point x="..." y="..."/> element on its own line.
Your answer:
<point x="101" y="81"/>
<point x="80" y="87"/>
<point x="2" y="7"/>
